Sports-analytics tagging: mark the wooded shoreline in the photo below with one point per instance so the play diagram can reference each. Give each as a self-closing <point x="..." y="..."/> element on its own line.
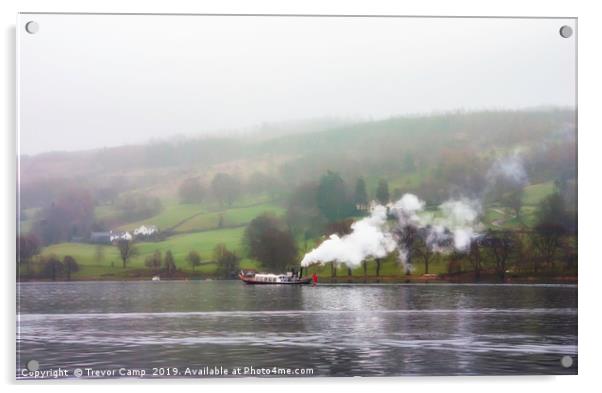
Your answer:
<point x="462" y="278"/>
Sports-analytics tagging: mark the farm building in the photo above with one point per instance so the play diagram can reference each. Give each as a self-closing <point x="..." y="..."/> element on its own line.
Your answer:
<point x="100" y="237"/>
<point x="118" y="235"/>
<point x="145" y="230"/>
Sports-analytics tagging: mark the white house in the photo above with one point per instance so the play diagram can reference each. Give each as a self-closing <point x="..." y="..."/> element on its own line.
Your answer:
<point x="116" y="235"/>
<point x="146" y="230"/>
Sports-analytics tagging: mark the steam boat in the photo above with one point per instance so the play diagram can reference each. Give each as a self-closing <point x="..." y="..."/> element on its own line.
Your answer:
<point x="290" y="278"/>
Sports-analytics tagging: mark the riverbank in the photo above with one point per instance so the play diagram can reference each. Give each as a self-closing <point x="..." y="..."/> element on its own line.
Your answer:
<point x="459" y="278"/>
<point x="467" y="278"/>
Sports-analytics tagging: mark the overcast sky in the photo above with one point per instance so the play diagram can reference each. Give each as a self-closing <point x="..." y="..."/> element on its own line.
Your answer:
<point x="89" y="81"/>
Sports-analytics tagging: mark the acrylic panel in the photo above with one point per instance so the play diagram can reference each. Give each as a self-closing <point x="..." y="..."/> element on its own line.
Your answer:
<point x="217" y="196"/>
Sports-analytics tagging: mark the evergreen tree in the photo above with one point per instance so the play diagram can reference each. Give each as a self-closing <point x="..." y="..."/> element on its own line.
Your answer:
<point x="382" y="192"/>
<point x="361" y="195"/>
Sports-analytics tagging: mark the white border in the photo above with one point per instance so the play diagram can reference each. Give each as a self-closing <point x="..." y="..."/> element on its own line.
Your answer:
<point x="590" y="34"/>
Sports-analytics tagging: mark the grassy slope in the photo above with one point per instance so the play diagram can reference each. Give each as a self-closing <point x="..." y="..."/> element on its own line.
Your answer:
<point x="231" y="217"/>
<point x="505" y="218"/>
<point x="536" y="192"/>
<point x="185" y="217"/>
<point x="168" y="217"/>
<point x="200" y="223"/>
<point x="180" y="245"/>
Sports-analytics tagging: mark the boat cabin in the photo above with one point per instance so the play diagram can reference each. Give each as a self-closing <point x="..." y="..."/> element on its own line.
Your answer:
<point x="271" y="278"/>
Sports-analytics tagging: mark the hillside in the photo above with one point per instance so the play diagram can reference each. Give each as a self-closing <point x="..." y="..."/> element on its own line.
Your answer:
<point x="436" y="157"/>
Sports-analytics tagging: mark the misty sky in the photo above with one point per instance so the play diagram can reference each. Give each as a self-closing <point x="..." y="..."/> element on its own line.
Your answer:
<point x="89" y="81"/>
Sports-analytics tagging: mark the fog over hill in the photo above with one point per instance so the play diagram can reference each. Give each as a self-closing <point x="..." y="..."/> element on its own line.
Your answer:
<point x="304" y="150"/>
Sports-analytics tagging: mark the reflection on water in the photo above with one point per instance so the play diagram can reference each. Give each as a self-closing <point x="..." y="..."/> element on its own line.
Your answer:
<point x="334" y="329"/>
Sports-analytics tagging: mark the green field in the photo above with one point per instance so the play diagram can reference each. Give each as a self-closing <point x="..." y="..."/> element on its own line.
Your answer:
<point x="202" y="242"/>
<point x="230" y="218"/>
<point x="499" y="217"/>
<point x="180" y="246"/>
<point x="536" y="192"/>
<point x="171" y="215"/>
<point x="195" y="228"/>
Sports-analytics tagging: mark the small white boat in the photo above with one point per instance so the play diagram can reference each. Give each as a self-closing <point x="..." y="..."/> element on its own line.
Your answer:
<point x="156" y="278"/>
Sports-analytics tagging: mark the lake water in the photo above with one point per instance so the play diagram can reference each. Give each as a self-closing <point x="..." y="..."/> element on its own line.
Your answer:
<point x="334" y="330"/>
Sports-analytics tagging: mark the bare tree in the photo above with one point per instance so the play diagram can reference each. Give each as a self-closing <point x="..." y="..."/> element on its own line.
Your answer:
<point x="378" y="264"/>
<point x="226" y="188"/>
<point x="137" y="205"/>
<point x="406" y="236"/>
<point x="365" y="265"/>
<point x="70" y="265"/>
<point x="70" y="215"/>
<point x="267" y="239"/>
<point x="170" y="263"/>
<point x="423" y="250"/>
<point x="51" y="267"/>
<point x="127" y="250"/>
<point x="569" y="254"/>
<point x="333" y="270"/>
<point x="28" y="246"/>
<point x="154" y="261"/>
<point x="194" y="259"/>
<point x="227" y="261"/>
<point x="502" y="245"/>
<point x="514" y="200"/>
<point x="474" y="256"/>
<point x="191" y="191"/>
<point x="552" y="223"/>
<point x="99" y="253"/>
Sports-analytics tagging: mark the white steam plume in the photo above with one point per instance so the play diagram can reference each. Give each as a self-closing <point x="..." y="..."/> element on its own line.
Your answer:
<point x="510" y="168"/>
<point x="460" y="217"/>
<point x="452" y="228"/>
<point x="368" y="239"/>
<point x="406" y="210"/>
